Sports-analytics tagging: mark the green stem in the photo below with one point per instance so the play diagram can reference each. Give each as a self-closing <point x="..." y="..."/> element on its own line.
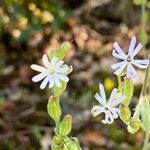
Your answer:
<point x="146" y="141"/>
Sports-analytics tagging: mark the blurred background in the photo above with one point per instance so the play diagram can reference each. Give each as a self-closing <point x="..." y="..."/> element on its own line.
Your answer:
<point x="30" y="28"/>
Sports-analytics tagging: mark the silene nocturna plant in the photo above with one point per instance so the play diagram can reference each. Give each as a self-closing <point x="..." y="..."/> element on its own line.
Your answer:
<point x="54" y="74"/>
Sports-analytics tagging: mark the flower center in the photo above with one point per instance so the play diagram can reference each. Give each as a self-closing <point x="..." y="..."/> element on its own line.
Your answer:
<point x="106" y="108"/>
<point x="51" y="71"/>
<point x="129" y="59"/>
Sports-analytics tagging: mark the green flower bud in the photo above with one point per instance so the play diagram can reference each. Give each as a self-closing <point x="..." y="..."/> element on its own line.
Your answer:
<point x="61" y="52"/>
<point x="57" y="143"/>
<point x="54" y="109"/>
<point x="134" y="125"/>
<point x="125" y="113"/>
<point x="70" y="144"/>
<point x="65" y="125"/>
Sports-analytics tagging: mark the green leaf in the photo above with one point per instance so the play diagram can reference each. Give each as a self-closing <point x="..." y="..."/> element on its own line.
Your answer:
<point x="54" y="109"/>
<point x="140" y="2"/>
<point x="145" y="113"/>
<point x="128" y="88"/>
<point x="65" y="125"/>
<point x="61" y="52"/>
<point x="144" y="37"/>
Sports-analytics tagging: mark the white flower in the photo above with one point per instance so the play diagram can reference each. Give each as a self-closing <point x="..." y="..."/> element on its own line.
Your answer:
<point x="108" y="107"/>
<point x="52" y="73"/>
<point x="127" y="61"/>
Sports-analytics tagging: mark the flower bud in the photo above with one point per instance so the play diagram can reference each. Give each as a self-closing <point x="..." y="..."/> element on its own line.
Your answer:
<point x="134" y="125"/>
<point x="54" y="109"/>
<point x="125" y="113"/>
<point x="65" y="125"/>
<point x="70" y="144"/>
<point x="61" y="52"/>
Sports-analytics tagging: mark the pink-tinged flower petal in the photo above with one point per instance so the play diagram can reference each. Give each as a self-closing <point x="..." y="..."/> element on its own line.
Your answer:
<point x="45" y="61"/>
<point x="121" y="68"/>
<point x="131" y="73"/>
<point x="38" y="77"/>
<point x="136" y="50"/>
<point x="38" y="68"/>
<point x="100" y="100"/>
<point x="141" y="63"/>
<point x="118" y="51"/>
<point x="113" y="94"/>
<point x="44" y="83"/>
<point x="96" y="110"/>
<point x="132" y="45"/>
<point x="117" y="101"/>
<point x="102" y="92"/>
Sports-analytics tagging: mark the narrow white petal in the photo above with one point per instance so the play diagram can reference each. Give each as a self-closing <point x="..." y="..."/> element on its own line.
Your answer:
<point x="64" y="69"/>
<point x="44" y="83"/>
<point x="53" y="61"/>
<point x="117" y="101"/>
<point x="102" y="92"/>
<point x="45" y="60"/>
<point x="38" y="68"/>
<point x="117" y="65"/>
<point x="115" y="112"/>
<point x="108" y="118"/>
<point x="121" y="68"/>
<point x="63" y="77"/>
<point x="141" y="63"/>
<point x="113" y="94"/>
<point x="119" y="50"/>
<point x="96" y="110"/>
<point x="100" y="100"/>
<point x="57" y="82"/>
<point x="38" y="77"/>
<point x="51" y="82"/>
<point x="132" y="45"/>
<point x="137" y="49"/>
<point x="59" y="64"/>
<point x="131" y="73"/>
<point x="119" y="56"/>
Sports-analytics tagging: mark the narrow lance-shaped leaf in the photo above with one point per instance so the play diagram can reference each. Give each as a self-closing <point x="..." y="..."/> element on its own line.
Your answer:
<point x="145" y="113"/>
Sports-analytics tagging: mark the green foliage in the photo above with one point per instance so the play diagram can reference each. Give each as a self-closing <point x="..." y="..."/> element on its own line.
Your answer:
<point x="140" y="2"/>
<point x="145" y="113"/>
<point x="65" y="126"/>
<point x="134" y="125"/>
<point x="125" y="113"/>
<point x="61" y="52"/>
<point x="54" y="109"/>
